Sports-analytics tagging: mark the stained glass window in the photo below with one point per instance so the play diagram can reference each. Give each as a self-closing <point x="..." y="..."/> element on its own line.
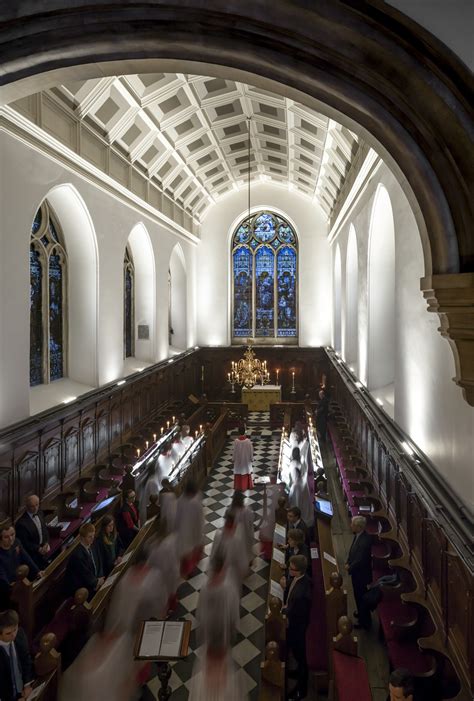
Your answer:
<point x="264" y="267"/>
<point x="128" y="304"/>
<point x="48" y="268"/>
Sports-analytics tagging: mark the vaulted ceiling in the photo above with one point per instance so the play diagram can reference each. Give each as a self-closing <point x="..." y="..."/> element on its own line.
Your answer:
<point x="188" y="135"/>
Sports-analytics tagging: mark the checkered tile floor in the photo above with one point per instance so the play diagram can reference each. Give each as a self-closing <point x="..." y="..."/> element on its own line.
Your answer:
<point x="247" y="651"/>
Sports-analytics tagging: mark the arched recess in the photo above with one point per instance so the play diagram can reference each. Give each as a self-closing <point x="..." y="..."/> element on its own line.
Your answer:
<point x="144" y="301"/>
<point x="82" y="290"/>
<point x="381" y="293"/>
<point x="351" y="327"/>
<point x="177" y="299"/>
<point x="337" y="300"/>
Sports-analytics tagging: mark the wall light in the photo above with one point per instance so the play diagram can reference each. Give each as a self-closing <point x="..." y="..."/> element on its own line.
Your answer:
<point x="379" y="401"/>
<point x="68" y="400"/>
<point x="351" y="368"/>
<point x="407" y="448"/>
<point x="121" y="382"/>
<point x="359" y="385"/>
<point x="170" y="360"/>
<point x="196" y="347"/>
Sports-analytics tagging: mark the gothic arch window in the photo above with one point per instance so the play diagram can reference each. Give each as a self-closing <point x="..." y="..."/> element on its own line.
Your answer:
<point x="128" y="304"/>
<point x="265" y="277"/>
<point x="48" y="308"/>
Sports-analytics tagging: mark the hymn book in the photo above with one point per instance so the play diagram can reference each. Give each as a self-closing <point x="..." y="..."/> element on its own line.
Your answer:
<point x="162" y="640"/>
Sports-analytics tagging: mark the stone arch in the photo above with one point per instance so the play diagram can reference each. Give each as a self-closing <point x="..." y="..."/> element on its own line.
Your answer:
<point x="381" y="293"/>
<point x="178" y="298"/>
<point x="82" y="299"/>
<point x="351" y="326"/>
<point x="141" y="247"/>
<point x="337" y="291"/>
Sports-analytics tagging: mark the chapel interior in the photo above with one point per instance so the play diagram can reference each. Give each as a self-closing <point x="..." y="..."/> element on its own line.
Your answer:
<point x="183" y="184"/>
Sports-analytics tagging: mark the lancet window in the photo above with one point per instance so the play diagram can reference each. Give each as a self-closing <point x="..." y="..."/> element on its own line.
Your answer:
<point x="48" y="297"/>
<point x="128" y="304"/>
<point x="265" y="276"/>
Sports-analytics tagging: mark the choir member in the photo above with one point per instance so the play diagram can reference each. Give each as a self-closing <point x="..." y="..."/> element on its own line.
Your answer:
<point x="16" y="669"/>
<point x="32" y="532"/>
<point x="303" y="445"/>
<point x="245" y="519"/>
<point x="128" y="520"/>
<point x="189" y="528"/>
<point x="107" y="545"/>
<point x="215" y="677"/>
<point x="243" y="456"/>
<point x="300" y="497"/>
<point x="12" y="555"/>
<point x="164" y="463"/>
<point x="177" y="448"/>
<point x="229" y="544"/>
<point x="186" y="438"/>
<point x="168" y="505"/>
<point x="83" y="568"/>
<point x="295" y="463"/>
<point x="163" y="555"/>
<point x="152" y="485"/>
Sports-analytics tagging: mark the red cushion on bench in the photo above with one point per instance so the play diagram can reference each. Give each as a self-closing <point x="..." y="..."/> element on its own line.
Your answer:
<point x="398" y="612"/>
<point x="350" y="677"/>
<point x="409" y="656"/>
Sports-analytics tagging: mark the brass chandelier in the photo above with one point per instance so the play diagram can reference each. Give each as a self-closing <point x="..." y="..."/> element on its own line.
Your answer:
<point x="249" y="371"/>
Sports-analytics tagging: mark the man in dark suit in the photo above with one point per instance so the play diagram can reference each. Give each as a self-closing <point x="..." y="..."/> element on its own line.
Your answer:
<point x="32" y="532"/>
<point x="12" y="555"/>
<point x="128" y="520"/>
<point x="297" y="607"/>
<point x="359" y="566"/>
<point x="295" y="521"/>
<point x="15" y="660"/>
<point x="83" y="568"/>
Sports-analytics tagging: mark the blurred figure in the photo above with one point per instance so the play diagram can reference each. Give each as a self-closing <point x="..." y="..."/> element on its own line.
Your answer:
<point x="229" y="545"/>
<point x="303" y="445"/>
<point x="12" y="555"/>
<point x="104" y="669"/>
<point x="186" y="438"/>
<point x="32" y="532"/>
<point x="299" y="496"/>
<point x="189" y="528"/>
<point x="168" y="505"/>
<point x="215" y="676"/>
<point x="128" y="520"/>
<point x="295" y="463"/>
<point x="152" y="486"/>
<point x="243" y="456"/>
<point x="163" y="556"/>
<point x="164" y="463"/>
<point x="177" y="447"/>
<point x="401" y="685"/>
<point x="140" y="594"/>
<point x="83" y="568"/>
<point x="245" y="519"/>
<point x="107" y="546"/>
<point x="322" y="412"/>
<point x="16" y="669"/>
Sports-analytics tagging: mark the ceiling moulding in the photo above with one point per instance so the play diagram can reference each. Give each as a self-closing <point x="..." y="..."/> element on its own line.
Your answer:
<point x="13" y="123"/>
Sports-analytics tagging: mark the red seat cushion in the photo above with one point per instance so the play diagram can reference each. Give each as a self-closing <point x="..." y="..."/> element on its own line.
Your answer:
<point x="351" y="678"/>
<point x="399" y="613"/>
<point x="409" y="656"/>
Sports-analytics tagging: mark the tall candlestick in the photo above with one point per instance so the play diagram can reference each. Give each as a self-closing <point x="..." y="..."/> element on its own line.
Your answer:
<point x="202" y="373"/>
<point x="278" y="372"/>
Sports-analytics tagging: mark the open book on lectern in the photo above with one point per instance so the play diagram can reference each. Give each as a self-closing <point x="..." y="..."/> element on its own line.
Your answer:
<point x="162" y="640"/>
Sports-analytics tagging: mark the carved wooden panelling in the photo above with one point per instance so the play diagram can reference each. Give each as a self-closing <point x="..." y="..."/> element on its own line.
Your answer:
<point x="116" y="421"/>
<point x="51" y="478"/>
<point x="126" y="415"/>
<point x="102" y="434"/>
<point x="27" y="476"/>
<point x="87" y="448"/>
<point x="6" y="492"/>
<point x="435" y="563"/>
<point x="416" y="514"/>
<point x="71" y="454"/>
<point x="460" y="610"/>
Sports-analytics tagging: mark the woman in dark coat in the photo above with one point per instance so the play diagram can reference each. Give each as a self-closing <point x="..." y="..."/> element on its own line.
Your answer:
<point x="107" y="545"/>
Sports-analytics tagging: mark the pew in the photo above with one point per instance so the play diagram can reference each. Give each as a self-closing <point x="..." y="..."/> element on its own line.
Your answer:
<point x="350" y="676"/>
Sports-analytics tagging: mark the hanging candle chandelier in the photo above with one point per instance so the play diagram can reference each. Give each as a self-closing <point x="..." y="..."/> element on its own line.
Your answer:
<point x="249" y="371"/>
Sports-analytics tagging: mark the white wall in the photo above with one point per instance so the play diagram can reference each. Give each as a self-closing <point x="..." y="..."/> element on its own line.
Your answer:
<point x="27" y="177"/>
<point x="428" y="405"/>
<point x="178" y="298"/>
<point x="214" y="266"/>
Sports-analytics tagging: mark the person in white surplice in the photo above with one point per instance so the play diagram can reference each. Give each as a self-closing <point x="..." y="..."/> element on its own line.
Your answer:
<point x="229" y="543"/>
<point x="243" y="456"/>
<point x="215" y="676"/>
<point x="164" y="556"/>
<point x="244" y="517"/>
<point x="300" y="497"/>
<point x="189" y="528"/>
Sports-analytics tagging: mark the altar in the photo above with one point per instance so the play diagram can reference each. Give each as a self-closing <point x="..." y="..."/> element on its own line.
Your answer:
<point x="259" y="397"/>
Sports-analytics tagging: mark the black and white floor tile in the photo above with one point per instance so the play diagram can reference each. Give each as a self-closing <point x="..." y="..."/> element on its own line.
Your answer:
<point x="247" y="651"/>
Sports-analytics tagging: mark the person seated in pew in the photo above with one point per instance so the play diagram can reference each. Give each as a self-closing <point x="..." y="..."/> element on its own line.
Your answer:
<point x="32" y="532"/>
<point x="107" y="546"/>
<point x="16" y="669"/>
<point x="401" y="685"/>
<point x="83" y="567"/>
<point x="297" y="607"/>
<point x="189" y="528"/>
<point x="128" y="520"/>
<point x="12" y="555"/>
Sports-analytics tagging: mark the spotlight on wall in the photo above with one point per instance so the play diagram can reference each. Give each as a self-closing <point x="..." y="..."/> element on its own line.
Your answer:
<point x="121" y="382"/>
<point x="359" y="385"/>
<point x="351" y="368"/>
<point x="407" y="448"/>
<point x="68" y="400"/>
<point x="196" y="347"/>
<point x="379" y="401"/>
<point x="170" y="360"/>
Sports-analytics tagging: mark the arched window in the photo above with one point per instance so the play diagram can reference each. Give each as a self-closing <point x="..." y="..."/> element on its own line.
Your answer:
<point x="128" y="304"/>
<point x="265" y="269"/>
<point x="48" y="285"/>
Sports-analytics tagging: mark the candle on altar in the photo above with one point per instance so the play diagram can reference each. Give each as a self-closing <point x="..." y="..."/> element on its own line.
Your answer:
<point x="228" y="375"/>
<point x="278" y="372"/>
<point x="154" y="438"/>
<point x="293" y="373"/>
<point x="138" y="452"/>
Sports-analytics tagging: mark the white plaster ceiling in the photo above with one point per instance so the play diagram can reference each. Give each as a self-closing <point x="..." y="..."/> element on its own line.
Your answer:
<point x="188" y="134"/>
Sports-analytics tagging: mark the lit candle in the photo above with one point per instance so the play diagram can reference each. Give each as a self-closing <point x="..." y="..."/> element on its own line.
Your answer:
<point x="228" y="375"/>
<point x="200" y="428"/>
<point x="173" y="419"/>
<point x="195" y="434"/>
<point x="293" y="373"/>
<point x="138" y="452"/>
<point x="146" y="445"/>
<point x="278" y="372"/>
<point x="154" y="438"/>
<point x="162" y="429"/>
<point x="167" y="424"/>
